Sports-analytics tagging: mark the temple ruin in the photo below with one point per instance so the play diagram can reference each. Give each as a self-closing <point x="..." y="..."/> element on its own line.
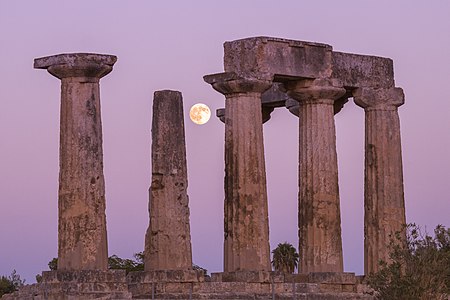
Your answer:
<point x="260" y="74"/>
<point x="313" y="82"/>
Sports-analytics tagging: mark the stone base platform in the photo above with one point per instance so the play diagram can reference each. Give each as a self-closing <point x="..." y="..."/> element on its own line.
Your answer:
<point x="245" y="285"/>
<point x="190" y="284"/>
<point x="157" y="284"/>
<point x="71" y="285"/>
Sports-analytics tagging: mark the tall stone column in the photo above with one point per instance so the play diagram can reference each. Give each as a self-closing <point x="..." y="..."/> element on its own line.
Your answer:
<point x="168" y="237"/>
<point x="246" y="225"/>
<point x="320" y="243"/>
<point x="384" y="204"/>
<point x="82" y="241"/>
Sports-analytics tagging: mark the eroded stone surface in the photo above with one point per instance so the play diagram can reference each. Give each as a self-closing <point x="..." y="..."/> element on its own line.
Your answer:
<point x="384" y="204"/>
<point x="82" y="243"/>
<point x="70" y="285"/>
<point x="296" y="63"/>
<point x="246" y="228"/>
<point x="320" y="244"/>
<point x="168" y="238"/>
<point x="180" y="284"/>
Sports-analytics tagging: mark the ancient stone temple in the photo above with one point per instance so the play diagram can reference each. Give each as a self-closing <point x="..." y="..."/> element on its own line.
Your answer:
<point x="313" y="82"/>
<point x="309" y="79"/>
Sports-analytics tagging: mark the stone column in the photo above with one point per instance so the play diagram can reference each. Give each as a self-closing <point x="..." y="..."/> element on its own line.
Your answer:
<point x="168" y="237"/>
<point x="81" y="198"/>
<point x="320" y="243"/>
<point x="246" y="225"/>
<point x="384" y="204"/>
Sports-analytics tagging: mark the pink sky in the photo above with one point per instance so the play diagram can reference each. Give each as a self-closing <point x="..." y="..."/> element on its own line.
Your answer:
<point x="171" y="45"/>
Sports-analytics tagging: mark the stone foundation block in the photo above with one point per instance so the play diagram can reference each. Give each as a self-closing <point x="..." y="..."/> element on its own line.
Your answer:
<point x="166" y="276"/>
<point x="332" y="277"/>
<point x="248" y="276"/>
<point x="71" y="285"/>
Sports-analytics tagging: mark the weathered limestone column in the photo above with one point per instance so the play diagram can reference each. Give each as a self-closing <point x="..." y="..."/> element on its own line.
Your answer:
<point x="319" y="219"/>
<point x="384" y="204"/>
<point x="168" y="237"/>
<point x="246" y="225"/>
<point x="81" y="198"/>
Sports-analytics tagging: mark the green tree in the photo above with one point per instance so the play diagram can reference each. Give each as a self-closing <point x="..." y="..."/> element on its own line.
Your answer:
<point x="114" y="263"/>
<point x="285" y="258"/>
<point x="198" y="268"/>
<point x="129" y="265"/>
<point x="418" y="269"/>
<point x="9" y="284"/>
<point x="53" y="264"/>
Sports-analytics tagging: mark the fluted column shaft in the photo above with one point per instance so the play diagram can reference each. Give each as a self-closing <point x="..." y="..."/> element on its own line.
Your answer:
<point x="319" y="220"/>
<point x="246" y="225"/>
<point x="168" y="237"/>
<point x="384" y="205"/>
<point x="82" y="243"/>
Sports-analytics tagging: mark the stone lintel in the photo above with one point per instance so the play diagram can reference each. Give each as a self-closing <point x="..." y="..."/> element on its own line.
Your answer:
<point x="381" y="98"/>
<point x="291" y="43"/>
<point x="355" y="70"/>
<point x="77" y="64"/>
<point x="166" y="276"/>
<point x="264" y="57"/>
<point x="268" y="58"/>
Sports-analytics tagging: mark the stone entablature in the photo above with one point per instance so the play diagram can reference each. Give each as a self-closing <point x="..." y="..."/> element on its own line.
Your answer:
<point x="314" y="82"/>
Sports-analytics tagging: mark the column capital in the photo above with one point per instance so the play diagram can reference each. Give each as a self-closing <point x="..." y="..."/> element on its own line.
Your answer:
<point x="379" y="99"/>
<point x="87" y="65"/>
<point x="229" y="83"/>
<point x="314" y="90"/>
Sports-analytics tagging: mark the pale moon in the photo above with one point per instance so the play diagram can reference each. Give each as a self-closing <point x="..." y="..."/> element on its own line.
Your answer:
<point x="200" y="113"/>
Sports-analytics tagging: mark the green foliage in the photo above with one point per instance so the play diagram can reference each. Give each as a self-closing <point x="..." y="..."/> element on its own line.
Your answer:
<point x="9" y="284"/>
<point x="129" y="265"/>
<point x="53" y="264"/>
<point x="285" y="258"/>
<point x="114" y="263"/>
<point x="419" y="268"/>
<point x="38" y="278"/>
<point x="198" y="268"/>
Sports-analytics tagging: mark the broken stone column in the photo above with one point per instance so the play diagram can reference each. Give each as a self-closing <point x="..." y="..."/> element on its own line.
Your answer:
<point x="81" y="198"/>
<point x="168" y="237"/>
<point x="320" y="243"/>
<point x="384" y="204"/>
<point x="246" y="244"/>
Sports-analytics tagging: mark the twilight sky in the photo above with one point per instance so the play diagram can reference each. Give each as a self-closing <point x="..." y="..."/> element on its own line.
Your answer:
<point x="171" y="45"/>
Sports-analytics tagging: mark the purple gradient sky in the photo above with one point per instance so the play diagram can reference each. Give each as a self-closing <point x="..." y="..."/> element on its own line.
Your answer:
<point x="171" y="45"/>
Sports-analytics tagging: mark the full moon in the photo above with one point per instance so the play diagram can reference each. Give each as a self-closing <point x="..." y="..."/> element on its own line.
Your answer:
<point x="200" y="113"/>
